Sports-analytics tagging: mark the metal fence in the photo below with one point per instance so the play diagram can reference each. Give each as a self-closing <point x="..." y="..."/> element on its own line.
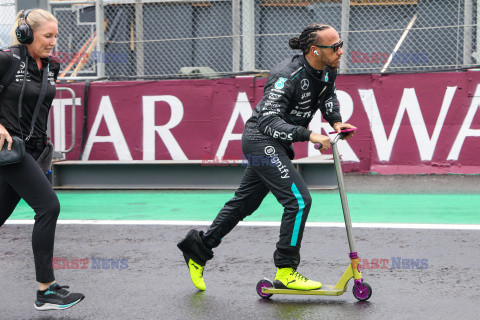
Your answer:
<point x="153" y="38"/>
<point x="7" y="18"/>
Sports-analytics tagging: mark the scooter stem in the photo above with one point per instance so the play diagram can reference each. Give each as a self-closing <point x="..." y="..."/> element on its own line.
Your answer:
<point x="343" y="196"/>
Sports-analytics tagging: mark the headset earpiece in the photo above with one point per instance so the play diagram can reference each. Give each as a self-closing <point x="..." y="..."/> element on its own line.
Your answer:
<point x="23" y="32"/>
<point x="316" y="52"/>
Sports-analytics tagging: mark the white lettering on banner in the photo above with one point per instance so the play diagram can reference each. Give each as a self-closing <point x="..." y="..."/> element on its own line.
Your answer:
<point x="346" y="110"/>
<point x="149" y="128"/>
<point x="242" y="108"/>
<point x="465" y="130"/>
<point x="59" y="128"/>
<point x="409" y="103"/>
<point x="105" y="111"/>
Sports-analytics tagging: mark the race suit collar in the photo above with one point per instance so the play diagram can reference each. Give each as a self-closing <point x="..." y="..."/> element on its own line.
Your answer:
<point x="314" y="72"/>
<point x="326" y="75"/>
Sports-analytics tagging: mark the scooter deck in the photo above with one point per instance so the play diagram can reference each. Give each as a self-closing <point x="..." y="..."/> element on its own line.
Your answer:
<point x="325" y="290"/>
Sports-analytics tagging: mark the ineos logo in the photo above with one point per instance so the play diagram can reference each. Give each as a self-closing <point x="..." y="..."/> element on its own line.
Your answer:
<point x="304" y="84"/>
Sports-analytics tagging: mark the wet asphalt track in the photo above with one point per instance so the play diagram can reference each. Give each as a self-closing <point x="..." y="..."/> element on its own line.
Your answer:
<point x="156" y="284"/>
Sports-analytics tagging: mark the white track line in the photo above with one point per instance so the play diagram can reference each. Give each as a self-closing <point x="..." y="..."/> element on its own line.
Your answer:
<point x="265" y="224"/>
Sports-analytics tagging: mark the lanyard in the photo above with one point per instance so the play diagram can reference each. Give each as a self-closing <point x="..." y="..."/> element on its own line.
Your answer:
<point x="41" y="96"/>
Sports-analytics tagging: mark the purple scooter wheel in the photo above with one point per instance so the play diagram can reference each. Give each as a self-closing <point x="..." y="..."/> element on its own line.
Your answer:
<point x="264" y="283"/>
<point x="362" y="291"/>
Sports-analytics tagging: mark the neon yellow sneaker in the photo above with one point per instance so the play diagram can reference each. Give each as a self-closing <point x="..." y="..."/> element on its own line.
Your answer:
<point x="289" y="278"/>
<point x="196" y="274"/>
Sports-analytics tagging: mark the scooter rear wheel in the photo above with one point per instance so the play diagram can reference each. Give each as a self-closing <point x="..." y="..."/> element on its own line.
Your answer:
<point x="362" y="291"/>
<point x="264" y="283"/>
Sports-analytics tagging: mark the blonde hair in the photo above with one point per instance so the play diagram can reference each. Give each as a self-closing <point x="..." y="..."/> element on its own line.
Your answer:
<point x="35" y="19"/>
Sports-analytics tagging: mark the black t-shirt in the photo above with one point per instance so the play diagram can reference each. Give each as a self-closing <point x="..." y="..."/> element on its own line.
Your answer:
<point x="11" y="93"/>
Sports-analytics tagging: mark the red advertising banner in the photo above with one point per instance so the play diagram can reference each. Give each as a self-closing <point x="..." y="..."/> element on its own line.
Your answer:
<point x="412" y="123"/>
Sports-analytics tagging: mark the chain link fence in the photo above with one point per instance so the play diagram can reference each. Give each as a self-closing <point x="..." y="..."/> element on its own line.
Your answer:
<point x="77" y="40"/>
<point x="141" y="39"/>
<point x="7" y="18"/>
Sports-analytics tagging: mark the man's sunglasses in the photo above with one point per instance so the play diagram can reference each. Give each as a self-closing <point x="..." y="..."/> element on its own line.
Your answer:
<point x="334" y="47"/>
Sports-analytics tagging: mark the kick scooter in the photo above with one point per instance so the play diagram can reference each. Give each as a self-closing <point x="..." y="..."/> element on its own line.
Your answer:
<point x="361" y="290"/>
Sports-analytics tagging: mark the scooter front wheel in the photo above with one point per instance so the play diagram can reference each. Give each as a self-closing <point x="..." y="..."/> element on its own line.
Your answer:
<point x="264" y="283"/>
<point x="362" y="291"/>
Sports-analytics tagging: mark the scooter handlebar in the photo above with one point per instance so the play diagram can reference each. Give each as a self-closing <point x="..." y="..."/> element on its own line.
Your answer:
<point x="341" y="135"/>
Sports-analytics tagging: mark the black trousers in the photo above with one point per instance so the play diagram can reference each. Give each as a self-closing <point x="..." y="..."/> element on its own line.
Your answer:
<point x="269" y="169"/>
<point x="27" y="181"/>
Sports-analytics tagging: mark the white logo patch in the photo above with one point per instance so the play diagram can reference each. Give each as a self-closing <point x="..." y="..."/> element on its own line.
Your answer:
<point x="280" y="83"/>
<point x="275" y="160"/>
<point x="306" y="94"/>
<point x="274" y="96"/>
<point x="269" y="150"/>
<point x="304" y="84"/>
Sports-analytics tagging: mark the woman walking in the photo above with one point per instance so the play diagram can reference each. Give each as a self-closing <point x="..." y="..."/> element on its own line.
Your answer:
<point x="24" y="107"/>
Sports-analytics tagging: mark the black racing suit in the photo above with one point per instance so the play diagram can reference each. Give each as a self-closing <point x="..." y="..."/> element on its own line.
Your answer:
<point x="294" y="91"/>
<point x="26" y="179"/>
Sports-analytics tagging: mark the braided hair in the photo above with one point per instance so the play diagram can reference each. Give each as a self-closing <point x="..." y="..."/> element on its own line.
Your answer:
<point x="307" y="38"/>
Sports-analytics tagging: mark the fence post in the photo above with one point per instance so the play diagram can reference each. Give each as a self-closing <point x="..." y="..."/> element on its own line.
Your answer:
<point x="236" y="40"/>
<point x="139" y="38"/>
<point x="467" y="32"/>
<point x="344" y="34"/>
<point x="477" y="38"/>
<point x="248" y="28"/>
<point x="100" y="55"/>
